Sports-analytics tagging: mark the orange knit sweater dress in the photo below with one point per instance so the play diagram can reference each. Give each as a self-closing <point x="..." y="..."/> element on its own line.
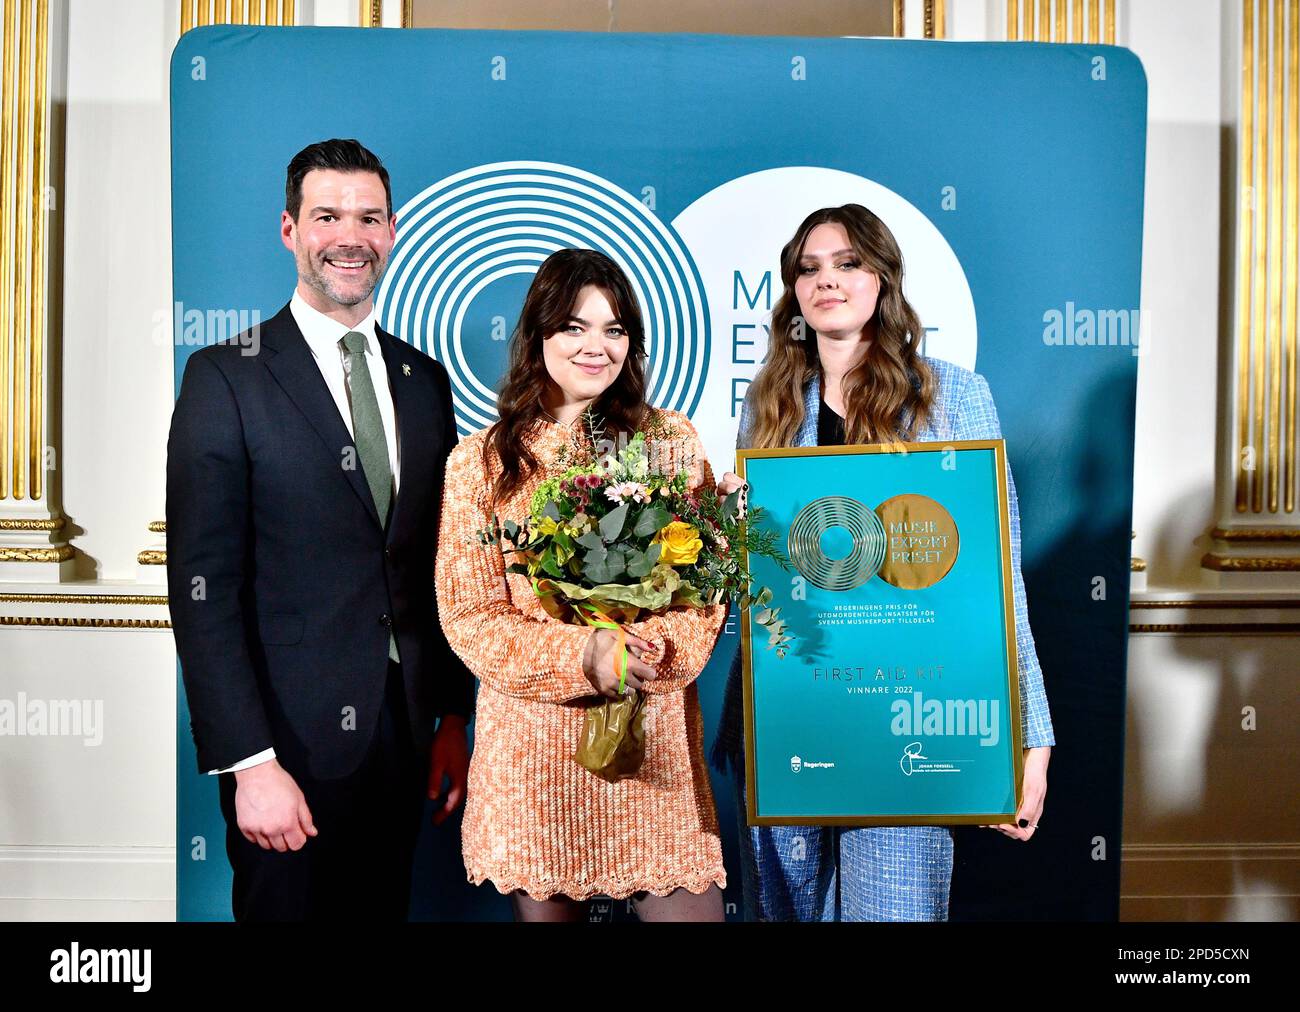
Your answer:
<point x="534" y="819"/>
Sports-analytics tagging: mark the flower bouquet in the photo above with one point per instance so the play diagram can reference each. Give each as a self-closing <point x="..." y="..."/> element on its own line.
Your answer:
<point x="613" y="539"/>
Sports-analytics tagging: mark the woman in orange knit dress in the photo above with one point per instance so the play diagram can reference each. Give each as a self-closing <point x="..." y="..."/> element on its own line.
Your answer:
<point x="538" y="825"/>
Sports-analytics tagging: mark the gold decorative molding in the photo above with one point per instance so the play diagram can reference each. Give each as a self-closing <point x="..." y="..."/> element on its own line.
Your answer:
<point x="123" y="599"/>
<point x="1258" y="604"/>
<point x="60" y="622"/>
<point x="370" y="13"/>
<point x="158" y="526"/>
<point x="24" y="154"/>
<point x="1281" y="534"/>
<point x="1218" y="628"/>
<point x="1266" y="267"/>
<point x="195" y="13"/>
<point x="1135" y="564"/>
<point x="152" y="557"/>
<point x="1250" y="563"/>
<point x="933" y="18"/>
<point x="407" y="17"/>
<point x="61" y="553"/>
<point x="31" y="524"/>
<point x="1061" y="21"/>
<point x="899" y="29"/>
<point x="1257" y="530"/>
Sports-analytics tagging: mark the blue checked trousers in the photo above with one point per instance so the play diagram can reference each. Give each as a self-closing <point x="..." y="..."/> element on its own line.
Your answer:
<point x="835" y="873"/>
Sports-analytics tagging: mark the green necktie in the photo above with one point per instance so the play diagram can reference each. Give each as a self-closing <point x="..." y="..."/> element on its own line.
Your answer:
<point x="368" y="434"/>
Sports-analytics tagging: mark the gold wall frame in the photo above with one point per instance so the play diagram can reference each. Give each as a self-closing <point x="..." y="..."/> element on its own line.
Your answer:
<point x="1258" y="528"/>
<point x="33" y="547"/>
<point x="605" y="15"/>
<point x="62" y="610"/>
<point x="933" y="18"/>
<point x="196" y="13"/>
<point x="24" y="164"/>
<point x="1061" y="21"/>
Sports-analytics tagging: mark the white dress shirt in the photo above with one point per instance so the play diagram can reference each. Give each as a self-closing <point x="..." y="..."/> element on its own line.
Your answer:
<point x="324" y="337"/>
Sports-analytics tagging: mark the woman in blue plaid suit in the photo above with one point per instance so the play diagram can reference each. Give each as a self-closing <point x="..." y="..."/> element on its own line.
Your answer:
<point x="843" y="367"/>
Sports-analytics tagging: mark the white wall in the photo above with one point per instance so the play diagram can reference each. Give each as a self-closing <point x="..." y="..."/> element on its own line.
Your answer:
<point x="116" y="201"/>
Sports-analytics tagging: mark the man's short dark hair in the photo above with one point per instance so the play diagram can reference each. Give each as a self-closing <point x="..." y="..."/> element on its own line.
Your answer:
<point x="343" y="155"/>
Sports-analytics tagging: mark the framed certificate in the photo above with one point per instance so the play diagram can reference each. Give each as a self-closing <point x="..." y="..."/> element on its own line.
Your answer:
<point x="897" y="703"/>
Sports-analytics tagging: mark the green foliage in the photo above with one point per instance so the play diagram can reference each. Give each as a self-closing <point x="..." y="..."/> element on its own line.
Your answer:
<point x="602" y="549"/>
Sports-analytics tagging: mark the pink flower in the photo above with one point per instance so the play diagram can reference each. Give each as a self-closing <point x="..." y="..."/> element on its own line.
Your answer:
<point x="626" y="490"/>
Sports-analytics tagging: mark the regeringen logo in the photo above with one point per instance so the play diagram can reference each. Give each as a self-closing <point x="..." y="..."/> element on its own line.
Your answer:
<point x="797" y="764"/>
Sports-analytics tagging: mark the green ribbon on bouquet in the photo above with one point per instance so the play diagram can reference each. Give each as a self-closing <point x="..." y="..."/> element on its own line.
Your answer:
<point x="593" y="616"/>
<point x="612" y="745"/>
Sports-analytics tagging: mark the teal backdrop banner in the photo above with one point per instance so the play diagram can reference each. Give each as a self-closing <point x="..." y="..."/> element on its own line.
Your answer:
<point x="1011" y="174"/>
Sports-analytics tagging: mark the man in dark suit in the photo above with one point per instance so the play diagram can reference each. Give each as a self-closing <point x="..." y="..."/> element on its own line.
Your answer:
<point x="304" y="479"/>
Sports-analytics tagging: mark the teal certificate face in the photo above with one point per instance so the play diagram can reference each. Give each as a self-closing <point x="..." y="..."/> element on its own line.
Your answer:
<point x="897" y="702"/>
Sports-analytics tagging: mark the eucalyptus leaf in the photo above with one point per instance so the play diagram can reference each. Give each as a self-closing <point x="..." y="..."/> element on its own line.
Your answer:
<point x="611" y="524"/>
<point x="652" y="520"/>
<point x="639" y="564"/>
<point x="596" y="568"/>
<point x="592" y="540"/>
<point x="607" y="568"/>
<point x="617" y="562"/>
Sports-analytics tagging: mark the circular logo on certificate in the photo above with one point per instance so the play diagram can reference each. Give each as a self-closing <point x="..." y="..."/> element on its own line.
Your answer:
<point x="922" y="541"/>
<point x="837" y="543"/>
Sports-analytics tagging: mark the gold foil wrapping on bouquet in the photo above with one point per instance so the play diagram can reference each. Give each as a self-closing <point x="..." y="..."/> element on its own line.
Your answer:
<point x="613" y="738"/>
<point x="557" y="607"/>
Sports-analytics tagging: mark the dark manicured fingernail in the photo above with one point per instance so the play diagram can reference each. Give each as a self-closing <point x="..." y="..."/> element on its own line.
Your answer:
<point x="1024" y="823"/>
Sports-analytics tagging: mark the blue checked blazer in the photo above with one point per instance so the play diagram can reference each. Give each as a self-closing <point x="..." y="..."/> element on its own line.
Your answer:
<point x="963" y="409"/>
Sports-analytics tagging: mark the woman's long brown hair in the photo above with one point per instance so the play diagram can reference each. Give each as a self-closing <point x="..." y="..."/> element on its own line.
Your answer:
<point x="879" y="388"/>
<point x="549" y="306"/>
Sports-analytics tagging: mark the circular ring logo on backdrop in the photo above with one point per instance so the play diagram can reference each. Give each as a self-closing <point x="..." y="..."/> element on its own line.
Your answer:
<point x="822" y="520"/>
<point x="495" y="224"/>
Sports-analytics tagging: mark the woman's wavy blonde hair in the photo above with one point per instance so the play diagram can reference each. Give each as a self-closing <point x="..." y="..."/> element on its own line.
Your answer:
<point x="891" y="378"/>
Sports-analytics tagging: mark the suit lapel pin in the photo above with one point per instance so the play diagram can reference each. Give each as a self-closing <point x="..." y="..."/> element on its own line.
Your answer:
<point x="406" y="369"/>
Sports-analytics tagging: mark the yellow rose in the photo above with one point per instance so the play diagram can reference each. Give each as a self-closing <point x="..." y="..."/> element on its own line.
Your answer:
<point x="680" y="543"/>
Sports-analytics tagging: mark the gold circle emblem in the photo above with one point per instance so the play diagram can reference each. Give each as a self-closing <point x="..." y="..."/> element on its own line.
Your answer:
<point x="921" y="541"/>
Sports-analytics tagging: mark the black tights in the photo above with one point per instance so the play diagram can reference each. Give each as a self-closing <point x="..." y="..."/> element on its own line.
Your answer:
<point x="679" y="905"/>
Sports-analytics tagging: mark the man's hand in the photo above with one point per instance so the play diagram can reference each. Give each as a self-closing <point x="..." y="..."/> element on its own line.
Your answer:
<point x="270" y="809"/>
<point x="449" y="757"/>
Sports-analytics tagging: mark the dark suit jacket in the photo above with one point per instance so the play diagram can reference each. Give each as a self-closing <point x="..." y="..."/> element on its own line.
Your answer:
<point x="282" y="582"/>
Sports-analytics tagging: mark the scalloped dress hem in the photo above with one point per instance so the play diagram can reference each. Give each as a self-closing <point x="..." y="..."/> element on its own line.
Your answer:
<point x="618" y="889"/>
